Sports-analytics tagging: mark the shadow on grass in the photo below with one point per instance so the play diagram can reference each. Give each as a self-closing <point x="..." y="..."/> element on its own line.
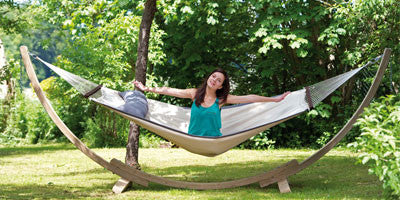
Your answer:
<point x="34" y="149"/>
<point x="53" y="190"/>
<point x="331" y="177"/>
<point x="35" y="191"/>
<point x="334" y="177"/>
<point x="96" y="171"/>
<point x="219" y="172"/>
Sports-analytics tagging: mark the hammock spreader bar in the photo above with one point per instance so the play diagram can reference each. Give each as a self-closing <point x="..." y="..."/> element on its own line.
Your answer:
<point x="308" y="98"/>
<point x="91" y="92"/>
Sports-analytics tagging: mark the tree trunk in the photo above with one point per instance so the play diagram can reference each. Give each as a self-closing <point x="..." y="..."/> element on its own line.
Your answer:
<point x="8" y="81"/>
<point x="2" y="59"/>
<point x="140" y="75"/>
<point x="132" y="148"/>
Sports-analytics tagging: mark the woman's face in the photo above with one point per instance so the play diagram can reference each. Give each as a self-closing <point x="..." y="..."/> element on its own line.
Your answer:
<point x="216" y="80"/>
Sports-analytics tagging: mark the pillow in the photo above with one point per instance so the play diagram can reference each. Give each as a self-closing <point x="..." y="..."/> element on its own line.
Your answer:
<point x="135" y="103"/>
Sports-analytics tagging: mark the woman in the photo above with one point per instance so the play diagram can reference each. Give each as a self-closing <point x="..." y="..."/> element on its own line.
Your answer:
<point x="205" y="117"/>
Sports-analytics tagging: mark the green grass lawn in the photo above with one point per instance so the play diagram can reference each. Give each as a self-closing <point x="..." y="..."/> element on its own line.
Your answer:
<point x="62" y="172"/>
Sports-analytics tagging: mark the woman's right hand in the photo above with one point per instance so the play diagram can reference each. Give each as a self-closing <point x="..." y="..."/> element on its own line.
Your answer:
<point x="140" y="85"/>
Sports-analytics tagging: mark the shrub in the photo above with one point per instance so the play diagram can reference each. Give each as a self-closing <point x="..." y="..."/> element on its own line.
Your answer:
<point x="379" y="142"/>
<point x="259" y="141"/>
<point x="39" y="126"/>
<point x="105" y="129"/>
<point x="27" y="121"/>
<point x="151" y="140"/>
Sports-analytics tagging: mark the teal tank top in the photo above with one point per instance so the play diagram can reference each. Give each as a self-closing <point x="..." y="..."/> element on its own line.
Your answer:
<point x="205" y="121"/>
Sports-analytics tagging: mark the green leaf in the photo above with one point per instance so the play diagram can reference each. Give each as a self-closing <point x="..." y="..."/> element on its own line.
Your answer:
<point x="261" y="32"/>
<point x="333" y="41"/>
<point x="374" y="156"/>
<point x="313" y="113"/>
<point x="291" y="37"/>
<point x="231" y="10"/>
<point x="187" y="9"/>
<point x="277" y="45"/>
<point x="266" y="72"/>
<point x="295" y="44"/>
<point x="214" y="5"/>
<point x="341" y="31"/>
<point x="302" y="53"/>
<point x="263" y="49"/>
<point x="211" y="20"/>
<point x="335" y="99"/>
<point x="387" y="154"/>
<point x="365" y="160"/>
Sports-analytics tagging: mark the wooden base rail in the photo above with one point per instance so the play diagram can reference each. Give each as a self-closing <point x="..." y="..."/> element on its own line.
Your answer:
<point x="278" y="174"/>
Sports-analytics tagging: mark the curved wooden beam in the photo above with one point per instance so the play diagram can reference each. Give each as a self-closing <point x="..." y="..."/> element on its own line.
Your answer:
<point x="60" y="124"/>
<point x="279" y="174"/>
<point x="347" y="127"/>
<point x="274" y="175"/>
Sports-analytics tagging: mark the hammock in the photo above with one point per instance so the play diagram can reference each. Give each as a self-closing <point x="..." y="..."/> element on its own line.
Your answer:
<point x="239" y="122"/>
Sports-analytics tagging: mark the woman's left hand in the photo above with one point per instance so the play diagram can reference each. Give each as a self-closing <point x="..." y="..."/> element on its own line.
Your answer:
<point x="282" y="97"/>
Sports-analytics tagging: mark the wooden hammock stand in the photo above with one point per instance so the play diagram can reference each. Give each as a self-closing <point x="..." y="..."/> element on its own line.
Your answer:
<point x="128" y="174"/>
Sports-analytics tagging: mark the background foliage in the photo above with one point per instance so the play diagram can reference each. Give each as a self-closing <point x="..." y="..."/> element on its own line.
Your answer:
<point x="380" y="140"/>
<point x="267" y="47"/>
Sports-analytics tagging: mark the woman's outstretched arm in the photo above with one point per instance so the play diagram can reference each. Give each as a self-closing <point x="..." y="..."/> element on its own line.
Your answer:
<point x="180" y="93"/>
<point x="233" y="99"/>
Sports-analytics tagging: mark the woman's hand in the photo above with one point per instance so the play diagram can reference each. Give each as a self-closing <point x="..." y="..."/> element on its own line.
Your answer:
<point x="233" y="99"/>
<point x="140" y="85"/>
<point x="185" y="93"/>
<point x="282" y="97"/>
